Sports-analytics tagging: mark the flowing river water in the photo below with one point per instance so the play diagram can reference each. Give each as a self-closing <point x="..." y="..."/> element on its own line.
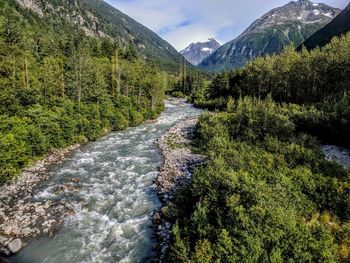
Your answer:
<point x="113" y="198"/>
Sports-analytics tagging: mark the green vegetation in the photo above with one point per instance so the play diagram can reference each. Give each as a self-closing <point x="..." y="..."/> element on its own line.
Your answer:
<point x="265" y="192"/>
<point x="172" y="142"/>
<point x="59" y="87"/>
<point x="319" y="79"/>
<point x="99" y="19"/>
<point x="305" y="77"/>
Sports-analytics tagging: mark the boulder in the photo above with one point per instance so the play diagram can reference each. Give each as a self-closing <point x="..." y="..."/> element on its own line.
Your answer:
<point x="3" y="239"/>
<point x="15" y="245"/>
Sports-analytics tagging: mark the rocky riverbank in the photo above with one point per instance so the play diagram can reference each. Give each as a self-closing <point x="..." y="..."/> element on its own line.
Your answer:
<point x="175" y="173"/>
<point x="22" y="216"/>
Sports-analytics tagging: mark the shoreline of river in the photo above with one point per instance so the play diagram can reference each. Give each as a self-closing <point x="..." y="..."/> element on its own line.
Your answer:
<point x="21" y="216"/>
<point x="175" y="173"/>
<point x="24" y="215"/>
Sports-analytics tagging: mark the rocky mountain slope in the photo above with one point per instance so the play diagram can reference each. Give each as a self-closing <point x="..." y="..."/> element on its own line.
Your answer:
<point x="289" y="24"/>
<point x="338" y="26"/>
<point x="197" y="52"/>
<point x="97" y="18"/>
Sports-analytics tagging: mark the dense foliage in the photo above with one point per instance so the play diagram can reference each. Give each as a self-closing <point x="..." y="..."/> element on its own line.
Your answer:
<point x="264" y="194"/>
<point x="58" y="87"/>
<point x="97" y="18"/>
<point x="320" y="78"/>
<point x="299" y="77"/>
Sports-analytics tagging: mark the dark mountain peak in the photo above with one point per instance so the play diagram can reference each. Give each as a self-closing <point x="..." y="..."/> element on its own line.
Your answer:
<point x="213" y="40"/>
<point x="302" y="11"/>
<point x="338" y="26"/>
<point x="282" y="26"/>
<point x="196" y="52"/>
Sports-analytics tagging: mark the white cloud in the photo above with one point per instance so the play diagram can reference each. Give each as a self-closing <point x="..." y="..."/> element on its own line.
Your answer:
<point x="154" y="14"/>
<point x="181" y="22"/>
<point x="181" y="37"/>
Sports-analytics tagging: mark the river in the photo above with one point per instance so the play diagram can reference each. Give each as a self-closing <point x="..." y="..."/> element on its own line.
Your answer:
<point x="338" y="154"/>
<point x="112" y="194"/>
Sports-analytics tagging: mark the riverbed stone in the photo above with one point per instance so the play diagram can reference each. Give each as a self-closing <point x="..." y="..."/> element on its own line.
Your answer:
<point x="174" y="174"/>
<point x="3" y="240"/>
<point x="15" y="245"/>
<point x="21" y="216"/>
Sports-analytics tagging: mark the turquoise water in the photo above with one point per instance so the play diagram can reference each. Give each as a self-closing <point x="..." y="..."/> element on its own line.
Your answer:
<point x="113" y="200"/>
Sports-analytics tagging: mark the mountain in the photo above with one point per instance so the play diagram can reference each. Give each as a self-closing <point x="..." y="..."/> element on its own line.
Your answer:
<point x="197" y="52"/>
<point x="97" y="18"/>
<point x="338" y="26"/>
<point x="291" y="23"/>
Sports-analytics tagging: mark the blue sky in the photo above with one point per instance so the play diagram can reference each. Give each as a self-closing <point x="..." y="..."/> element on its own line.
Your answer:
<point x="182" y="22"/>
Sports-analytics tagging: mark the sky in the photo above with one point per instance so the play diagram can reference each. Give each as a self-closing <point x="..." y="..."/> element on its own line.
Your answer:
<point x="182" y="22"/>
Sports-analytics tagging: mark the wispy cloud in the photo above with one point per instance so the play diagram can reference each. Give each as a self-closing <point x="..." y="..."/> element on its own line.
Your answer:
<point x="181" y="22"/>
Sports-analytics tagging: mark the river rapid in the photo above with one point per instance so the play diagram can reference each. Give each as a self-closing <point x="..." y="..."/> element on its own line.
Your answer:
<point x="113" y="195"/>
<point x="111" y="189"/>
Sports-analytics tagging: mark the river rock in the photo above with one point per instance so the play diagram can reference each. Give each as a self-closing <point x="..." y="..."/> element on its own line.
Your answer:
<point x="15" y="245"/>
<point x="174" y="174"/>
<point x="21" y="216"/>
<point x="3" y="240"/>
<point x="156" y="218"/>
<point x="74" y="180"/>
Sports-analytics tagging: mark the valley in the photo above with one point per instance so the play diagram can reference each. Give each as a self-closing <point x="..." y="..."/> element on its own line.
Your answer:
<point x="115" y="146"/>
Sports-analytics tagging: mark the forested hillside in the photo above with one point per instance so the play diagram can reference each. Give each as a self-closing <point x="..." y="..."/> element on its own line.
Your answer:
<point x="290" y="24"/>
<point x="265" y="192"/>
<point x="59" y="86"/>
<point x="99" y="19"/>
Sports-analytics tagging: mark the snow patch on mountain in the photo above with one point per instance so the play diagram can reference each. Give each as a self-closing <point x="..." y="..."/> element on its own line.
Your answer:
<point x="195" y="53"/>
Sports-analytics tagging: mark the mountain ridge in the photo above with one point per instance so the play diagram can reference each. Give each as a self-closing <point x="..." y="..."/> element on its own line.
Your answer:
<point x="281" y="26"/>
<point x="197" y="52"/>
<point x="337" y="27"/>
<point x="99" y="19"/>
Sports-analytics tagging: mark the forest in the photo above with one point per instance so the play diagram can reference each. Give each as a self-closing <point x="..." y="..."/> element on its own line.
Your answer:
<point x="319" y="80"/>
<point x="299" y="77"/>
<point x="265" y="192"/>
<point x="59" y="87"/>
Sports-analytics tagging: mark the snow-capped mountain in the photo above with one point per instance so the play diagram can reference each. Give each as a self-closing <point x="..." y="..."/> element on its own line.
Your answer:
<point x="289" y="24"/>
<point x="196" y="52"/>
<point x="339" y="26"/>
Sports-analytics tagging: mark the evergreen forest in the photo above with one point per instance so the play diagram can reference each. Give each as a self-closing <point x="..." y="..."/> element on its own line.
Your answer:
<point x="265" y="192"/>
<point x="59" y="87"/>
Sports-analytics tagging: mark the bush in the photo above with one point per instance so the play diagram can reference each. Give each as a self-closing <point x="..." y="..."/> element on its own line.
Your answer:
<point x="177" y="94"/>
<point x="119" y="122"/>
<point x="136" y="118"/>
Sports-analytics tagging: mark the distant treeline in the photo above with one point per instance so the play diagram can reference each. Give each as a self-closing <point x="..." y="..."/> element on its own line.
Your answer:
<point x="320" y="78"/>
<point x="297" y="77"/>
<point x="59" y="87"/>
